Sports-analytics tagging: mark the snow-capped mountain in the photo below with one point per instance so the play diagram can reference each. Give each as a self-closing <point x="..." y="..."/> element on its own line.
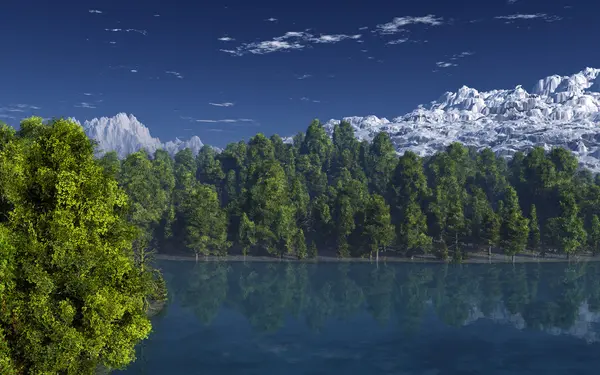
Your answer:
<point x="125" y="134"/>
<point x="560" y="111"/>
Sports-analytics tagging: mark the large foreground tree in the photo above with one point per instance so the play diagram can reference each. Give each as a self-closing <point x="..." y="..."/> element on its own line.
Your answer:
<point x="71" y="296"/>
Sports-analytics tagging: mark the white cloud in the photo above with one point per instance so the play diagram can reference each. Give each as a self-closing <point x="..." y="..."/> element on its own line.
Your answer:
<point x="271" y="19"/>
<point x="112" y="42"/>
<point x="511" y="1"/>
<point x="176" y="74"/>
<point x="292" y="40"/>
<point x="453" y="58"/>
<point x="157" y="15"/>
<point x="143" y="32"/>
<point x="3" y="115"/>
<point x="398" y="23"/>
<point x="133" y="70"/>
<point x="87" y="94"/>
<point x="228" y="120"/>
<point x="443" y="64"/>
<point x="305" y="99"/>
<point x="304" y="76"/>
<point x="85" y="105"/>
<point x="334" y="38"/>
<point x="226" y="39"/>
<point x="364" y="28"/>
<point x="226" y="104"/>
<point x="19" y="108"/>
<point x="398" y="41"/>
<point x="96" y="11"/>
<point x="520" y="16"/>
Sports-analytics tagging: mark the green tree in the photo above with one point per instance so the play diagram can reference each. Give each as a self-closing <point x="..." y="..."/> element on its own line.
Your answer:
<point x="75" y="295"/>
<point x="534" y="229"/>
<point x="408" y="191"/>
<point x="205" y="222"/>
<point x="514" y="230"/>
<point x="566" y="231"/>
<point x="594" y="235"/>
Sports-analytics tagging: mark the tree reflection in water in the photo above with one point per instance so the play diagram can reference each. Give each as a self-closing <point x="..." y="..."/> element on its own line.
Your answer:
<point x="549" y="297"/>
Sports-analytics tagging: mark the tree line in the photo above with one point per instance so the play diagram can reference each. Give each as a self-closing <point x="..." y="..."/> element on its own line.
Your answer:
<point x="340" y="196"/>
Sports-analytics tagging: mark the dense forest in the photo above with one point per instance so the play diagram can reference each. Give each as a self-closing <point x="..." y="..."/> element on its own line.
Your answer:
<point x="341" y="197"/>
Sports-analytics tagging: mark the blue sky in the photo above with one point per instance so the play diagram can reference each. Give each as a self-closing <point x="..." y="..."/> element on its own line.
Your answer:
<point x="287" y="61"/>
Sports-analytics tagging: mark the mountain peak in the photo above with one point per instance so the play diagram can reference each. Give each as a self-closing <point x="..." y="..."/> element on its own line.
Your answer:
<point x="560" y="111"/>
<point x="125" y="134"/>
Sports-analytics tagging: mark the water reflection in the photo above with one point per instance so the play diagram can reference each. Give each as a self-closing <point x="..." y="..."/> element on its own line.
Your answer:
<point x="369" y="312"/>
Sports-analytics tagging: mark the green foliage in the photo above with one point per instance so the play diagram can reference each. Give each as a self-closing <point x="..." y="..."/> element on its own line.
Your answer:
<point x="71" y="295"/>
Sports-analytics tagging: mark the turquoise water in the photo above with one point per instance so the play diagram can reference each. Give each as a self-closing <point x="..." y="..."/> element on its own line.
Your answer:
<point x="292" y="318"/>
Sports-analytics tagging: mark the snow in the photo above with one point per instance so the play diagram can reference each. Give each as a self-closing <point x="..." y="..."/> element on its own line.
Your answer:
<point x="560" y="111"/>
<point x="125" y="134"/>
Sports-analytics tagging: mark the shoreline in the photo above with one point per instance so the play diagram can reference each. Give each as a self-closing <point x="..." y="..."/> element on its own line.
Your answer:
<point x="475" y="258"/>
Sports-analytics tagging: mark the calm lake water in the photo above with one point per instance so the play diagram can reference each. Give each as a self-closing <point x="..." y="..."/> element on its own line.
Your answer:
<point x="291" y="318"/>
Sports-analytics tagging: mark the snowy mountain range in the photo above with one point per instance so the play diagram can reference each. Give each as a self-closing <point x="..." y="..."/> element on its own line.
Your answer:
<point x="559" y="111"/>
<point x="125" y="134"/>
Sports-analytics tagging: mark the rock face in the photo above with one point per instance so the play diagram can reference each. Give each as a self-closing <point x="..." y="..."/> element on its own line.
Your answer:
<point x="559" y="111"/>
<point x="125" y="134"/>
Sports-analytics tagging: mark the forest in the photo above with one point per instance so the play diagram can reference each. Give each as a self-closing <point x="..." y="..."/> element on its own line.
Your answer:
<point x="337" y="196"/>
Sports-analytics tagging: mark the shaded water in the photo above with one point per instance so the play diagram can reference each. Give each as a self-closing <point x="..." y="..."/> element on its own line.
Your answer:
<point x="339" y="318"/>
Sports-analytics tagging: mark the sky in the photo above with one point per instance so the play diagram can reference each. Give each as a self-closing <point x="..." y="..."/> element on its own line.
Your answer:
<point x="226" y="70"/>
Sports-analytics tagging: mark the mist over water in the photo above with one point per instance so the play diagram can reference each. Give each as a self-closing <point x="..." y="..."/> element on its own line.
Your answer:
<point x="357" y="318"/>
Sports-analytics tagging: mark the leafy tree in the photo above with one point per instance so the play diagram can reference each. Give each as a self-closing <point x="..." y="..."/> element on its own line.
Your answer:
<point x="534" y="229"/>
<point x="408" y="191"/>
<point x="514" y="230"/>
<point x="566" y="231"/>
<point x="75" y="295"/>
<point x="205" y="222"/>
<point x="594" y="236"/>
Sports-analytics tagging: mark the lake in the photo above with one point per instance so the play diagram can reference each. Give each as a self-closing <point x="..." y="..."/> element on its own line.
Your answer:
<point x="359" y="318"/>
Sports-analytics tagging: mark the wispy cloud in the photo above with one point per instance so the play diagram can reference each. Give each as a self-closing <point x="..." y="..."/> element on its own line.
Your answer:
<point x="363" y="28"/>
<point x="443" y="64"/>
<point x="226" y="39"/>
<point x="292" y="40"/>
<point x="18" y="108"/>
<point x="157" y="15"/>
<point x="117" y="30"/>
<point x="133" y="70"/>
<point x="176" y="74"/>
<point x="462" y="55"/>
<point x="271" y="19"/>
<point x="84" y="105"/>
<point x="95" y="11"/>
<point x="453" y="60"/>
<point x="305" y="99"/>
<point x="520" y="16"/>
<point x="226" y="104"/>
<point x="511" y="1"/>
<point x="304" y="76"/>
<point x="88" y="94"/>
<point x="398" y="23"/>
<point x="398" y="41"/>
<point x="226" y="121"/>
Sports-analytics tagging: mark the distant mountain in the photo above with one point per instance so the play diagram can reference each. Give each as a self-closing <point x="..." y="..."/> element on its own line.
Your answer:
<point x="125" y="134"/>
<point x="559" y="111"/>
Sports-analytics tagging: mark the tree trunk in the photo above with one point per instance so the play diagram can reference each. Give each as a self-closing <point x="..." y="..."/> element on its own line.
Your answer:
<point x="490" y="251"/>
<point x="513" y="258"/>
<point x="196" y="257"/>
<point x="377" y="255"/>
